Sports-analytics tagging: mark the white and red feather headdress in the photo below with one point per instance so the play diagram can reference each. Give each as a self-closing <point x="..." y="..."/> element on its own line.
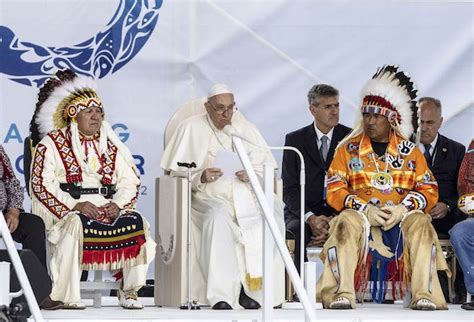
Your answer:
<point x="392" y="93"/>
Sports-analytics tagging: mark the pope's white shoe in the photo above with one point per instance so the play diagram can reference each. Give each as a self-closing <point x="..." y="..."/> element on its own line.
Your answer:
<point x="341" y="303"/>
<point x="425" y="305"/>
<point x="129" y="300"/>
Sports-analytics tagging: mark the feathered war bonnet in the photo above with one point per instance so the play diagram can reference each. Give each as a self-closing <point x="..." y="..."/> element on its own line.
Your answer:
<point x="67" y="95"/>
<point x="390" y="93"/>
<point x="60" y="101"/>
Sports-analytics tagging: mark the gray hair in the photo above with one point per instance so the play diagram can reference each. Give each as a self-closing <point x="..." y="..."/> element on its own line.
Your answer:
<point x="321" y="90"/>
<point x="432" y="100"/>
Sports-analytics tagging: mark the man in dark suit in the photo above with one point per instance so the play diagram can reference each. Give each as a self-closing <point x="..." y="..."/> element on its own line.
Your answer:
<point x="317" y="143"/>
<point x="444" y="157"/>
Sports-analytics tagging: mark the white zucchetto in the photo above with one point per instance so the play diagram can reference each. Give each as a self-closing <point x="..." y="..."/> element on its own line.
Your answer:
<point x="218" y="89"/>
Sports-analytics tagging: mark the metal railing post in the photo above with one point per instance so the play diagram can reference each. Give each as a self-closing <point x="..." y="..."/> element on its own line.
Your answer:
<point x="310" y="313"/>
<point x="268" y="245"/>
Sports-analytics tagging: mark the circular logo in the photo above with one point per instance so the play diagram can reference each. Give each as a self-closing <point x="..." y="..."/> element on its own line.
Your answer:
<point x="382" y="181"/>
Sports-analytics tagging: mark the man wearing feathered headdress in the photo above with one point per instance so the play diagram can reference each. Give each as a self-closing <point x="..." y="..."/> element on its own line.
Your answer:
<point x="380" y="182"/>
<point x="84" y="185"/>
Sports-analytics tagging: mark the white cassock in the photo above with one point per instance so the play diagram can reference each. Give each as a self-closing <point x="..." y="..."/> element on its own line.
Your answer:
<point x="226" y="217"/>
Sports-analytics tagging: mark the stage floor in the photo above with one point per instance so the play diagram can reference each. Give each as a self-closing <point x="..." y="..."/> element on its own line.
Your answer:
<point x="110" y="311"/>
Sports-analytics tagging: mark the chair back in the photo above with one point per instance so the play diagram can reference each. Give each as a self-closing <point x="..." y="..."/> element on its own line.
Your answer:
<point x="185" y="111"/>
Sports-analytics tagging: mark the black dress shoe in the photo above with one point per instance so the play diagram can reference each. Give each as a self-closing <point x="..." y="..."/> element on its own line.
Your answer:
<point x="222" y="305"/>
<point x="459" y="299"/>
<point x="247" y="302"/>
<point x="49" y="304"/>
<point x="468" y="306"/>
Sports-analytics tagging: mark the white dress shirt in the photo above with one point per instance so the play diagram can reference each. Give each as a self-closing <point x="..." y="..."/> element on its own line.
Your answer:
<point x="320" y="134"/>
<point x="433" y="146"/>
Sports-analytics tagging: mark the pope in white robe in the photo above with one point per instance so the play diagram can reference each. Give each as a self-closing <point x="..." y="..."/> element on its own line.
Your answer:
<point x="226" y="217"/>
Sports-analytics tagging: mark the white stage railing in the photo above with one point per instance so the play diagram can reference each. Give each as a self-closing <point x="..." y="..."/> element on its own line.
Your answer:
<point x="268" y="245"/>
<point x="20" y="272"/>
<point x="310" y="313"/>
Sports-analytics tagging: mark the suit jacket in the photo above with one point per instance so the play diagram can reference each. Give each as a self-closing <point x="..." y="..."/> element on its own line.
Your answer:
<point x="445" y="168"/>
<point x="304" y="140"/>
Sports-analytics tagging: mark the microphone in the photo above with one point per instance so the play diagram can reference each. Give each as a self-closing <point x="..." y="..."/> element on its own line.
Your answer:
<point x="230" y="130"/>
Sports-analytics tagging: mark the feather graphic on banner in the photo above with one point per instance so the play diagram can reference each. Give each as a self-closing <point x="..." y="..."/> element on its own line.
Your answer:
<point x="105" y="53"/>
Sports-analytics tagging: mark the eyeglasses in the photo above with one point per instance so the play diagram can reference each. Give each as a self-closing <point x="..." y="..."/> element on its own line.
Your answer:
<point x="223" y="109"/>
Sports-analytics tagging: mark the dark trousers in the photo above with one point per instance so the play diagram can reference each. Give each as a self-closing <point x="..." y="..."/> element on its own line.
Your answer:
<point x="293" y="231"/>
<point x="31" y="234"/>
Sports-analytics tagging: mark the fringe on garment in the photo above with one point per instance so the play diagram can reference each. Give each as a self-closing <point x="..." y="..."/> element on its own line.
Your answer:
<point x="105" y="259"/>
<point x="39" y="210"/>
<point x="381" y="274"/>
<point x="114" y="260"/>
<point x="253" y="283"/>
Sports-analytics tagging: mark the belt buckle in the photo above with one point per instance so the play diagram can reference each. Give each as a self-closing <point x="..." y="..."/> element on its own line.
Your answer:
<point x="104" y="191"/>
